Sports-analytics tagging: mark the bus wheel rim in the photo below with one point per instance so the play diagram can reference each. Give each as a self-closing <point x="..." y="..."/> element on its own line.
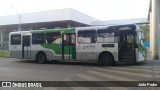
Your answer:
<point x="42" y="58"/>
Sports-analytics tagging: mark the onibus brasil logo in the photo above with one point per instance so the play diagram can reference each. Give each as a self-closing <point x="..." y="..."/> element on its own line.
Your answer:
<point x="21" y="84"/>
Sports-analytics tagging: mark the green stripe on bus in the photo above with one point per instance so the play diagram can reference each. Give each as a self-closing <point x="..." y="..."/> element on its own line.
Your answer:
<point x="54" y="47"/>
<point x="64" y="30"/>
<point x="58" y="49"/>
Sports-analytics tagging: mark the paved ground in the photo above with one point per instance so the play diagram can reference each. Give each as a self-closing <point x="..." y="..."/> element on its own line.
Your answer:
<point x="15" y="69"/>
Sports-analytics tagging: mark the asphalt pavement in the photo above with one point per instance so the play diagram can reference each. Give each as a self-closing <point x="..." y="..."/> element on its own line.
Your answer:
<point x="25" y="70"/>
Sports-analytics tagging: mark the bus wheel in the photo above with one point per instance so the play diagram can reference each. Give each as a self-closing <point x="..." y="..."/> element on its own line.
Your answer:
<point x="106" y="59"/>
<point x="41" y="58"/>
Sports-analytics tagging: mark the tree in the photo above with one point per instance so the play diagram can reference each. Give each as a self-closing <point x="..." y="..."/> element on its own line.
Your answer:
<point x="146" y="31"/>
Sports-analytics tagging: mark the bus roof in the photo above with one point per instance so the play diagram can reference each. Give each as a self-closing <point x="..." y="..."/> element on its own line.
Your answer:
<point x="42" y="30"/>
<point x="19" y="32"/>
<point x="133" y="26"/>
<point x="48" y="30"/>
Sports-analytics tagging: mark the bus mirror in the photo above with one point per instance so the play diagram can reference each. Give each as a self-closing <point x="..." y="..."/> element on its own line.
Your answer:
<point x="142" y="35"/>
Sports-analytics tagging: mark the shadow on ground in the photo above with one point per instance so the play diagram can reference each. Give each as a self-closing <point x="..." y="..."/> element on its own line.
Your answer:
<point x="145" y="63"/>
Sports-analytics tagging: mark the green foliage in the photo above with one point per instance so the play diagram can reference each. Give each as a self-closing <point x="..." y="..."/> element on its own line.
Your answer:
<point x="145" y="29"/>
<point x="4" y="54"/>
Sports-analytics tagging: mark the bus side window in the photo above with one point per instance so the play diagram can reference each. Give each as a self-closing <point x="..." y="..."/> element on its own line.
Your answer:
<point x="73" y="39"/>
<point x="16" y="39"/>
<point x="38" y="38"/>
<point x="105" y="35"/>
<point x="87" y="36"/>
<point x="53" y="37"/>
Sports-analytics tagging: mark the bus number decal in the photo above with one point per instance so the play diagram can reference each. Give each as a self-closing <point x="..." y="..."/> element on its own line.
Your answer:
<point x="89" y="47"/>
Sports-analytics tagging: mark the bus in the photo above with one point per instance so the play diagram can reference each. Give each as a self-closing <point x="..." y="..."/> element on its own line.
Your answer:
<point x="102" y="44"/>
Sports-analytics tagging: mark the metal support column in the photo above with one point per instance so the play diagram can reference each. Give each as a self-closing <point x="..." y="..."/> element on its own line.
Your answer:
<point x="1" y="39"/>
<point x="150" y="31"/>
<point x="155" y="30"/>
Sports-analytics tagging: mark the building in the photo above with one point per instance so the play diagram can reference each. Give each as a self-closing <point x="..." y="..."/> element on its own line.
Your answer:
<point x="61" y="18"/>
<point x="121" y="22"/>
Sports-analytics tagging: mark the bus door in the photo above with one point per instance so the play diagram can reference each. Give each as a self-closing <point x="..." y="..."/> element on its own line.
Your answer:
<point x="126" y="45"/>
<point x="68" y="46"/>
<point x="26" y="47"/>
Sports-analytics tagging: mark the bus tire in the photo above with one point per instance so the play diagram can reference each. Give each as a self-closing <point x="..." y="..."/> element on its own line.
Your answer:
<point x="41" y="58"/>
<point x="106" y="59"/>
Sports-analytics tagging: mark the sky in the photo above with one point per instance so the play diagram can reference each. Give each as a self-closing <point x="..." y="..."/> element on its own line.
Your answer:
<point x="99" y="9"/>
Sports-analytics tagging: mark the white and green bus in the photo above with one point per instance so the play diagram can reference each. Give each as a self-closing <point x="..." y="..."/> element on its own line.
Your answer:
<point x="101" y="44"/>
